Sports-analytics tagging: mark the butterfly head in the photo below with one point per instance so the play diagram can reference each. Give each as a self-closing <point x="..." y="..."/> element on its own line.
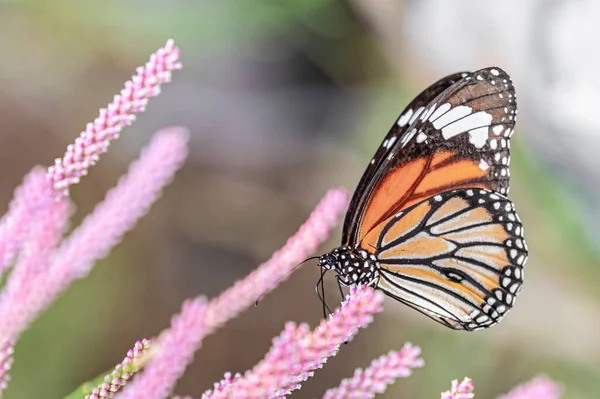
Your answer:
<point x="353" y="266"/>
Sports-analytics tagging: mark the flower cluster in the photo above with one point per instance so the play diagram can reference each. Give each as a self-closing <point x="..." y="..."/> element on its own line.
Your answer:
<point x="39" y="264"/>
<point x="122" y="373"/>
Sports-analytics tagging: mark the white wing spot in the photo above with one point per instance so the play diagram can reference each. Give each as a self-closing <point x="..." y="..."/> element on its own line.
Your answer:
<point x="478" y="137"/>
<point x="494" y="72"/>
<point x="518" y="273"/>
<point x="407" y="136"/>
<point x="391" y="142"/>
<point x="509" y="299"/>
<point x="470" y="122"/>
<point x="421" y="137"/>
<point x="493" y="144"/>
<point x="404" y="118"/>
<point x="498" y="129"/>
<point x="483" y="165"/>
<point x="450" y="116"/>
<point x="440" y="111"/>
<point x="428" y="113"/>
<point x="416" y="114"/>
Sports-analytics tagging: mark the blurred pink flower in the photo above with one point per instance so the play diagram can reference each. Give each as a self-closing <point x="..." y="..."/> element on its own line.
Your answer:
<point x="97" y="136"/>
<point x="31" y="196"/>
<point x="175" y="347"/>
<point x="538" y="388"/>
<point x="23" y="300"/>
<point x="37" y="217"/>
<point x="40" y="241"/>
<point x="6" y="360"/>
<point x="462" y="390"/>
<point x="381" y="373"/>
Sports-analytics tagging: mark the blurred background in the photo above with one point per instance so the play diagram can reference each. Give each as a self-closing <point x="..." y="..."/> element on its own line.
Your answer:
<point x="284" y="101"/>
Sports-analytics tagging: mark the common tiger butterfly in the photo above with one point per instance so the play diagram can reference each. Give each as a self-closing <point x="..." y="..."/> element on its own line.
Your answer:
<point x="430" y="224"/>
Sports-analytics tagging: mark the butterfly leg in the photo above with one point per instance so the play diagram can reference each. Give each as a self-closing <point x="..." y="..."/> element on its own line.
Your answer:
<point x="321" y="294"/>
<point x="339" y="283"/>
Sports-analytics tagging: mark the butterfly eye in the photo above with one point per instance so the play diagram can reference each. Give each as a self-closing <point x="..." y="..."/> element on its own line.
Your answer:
<point x="328" y="261"/>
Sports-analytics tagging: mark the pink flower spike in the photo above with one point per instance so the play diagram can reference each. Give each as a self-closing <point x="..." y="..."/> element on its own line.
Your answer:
<point x="100" y="231"/>
<point x="270" y="274"/>
<point x="176" y="347"/>
<point x="6" y="360"/>
<point x="538" y="388"/>
<point x="97" y="136"/>
<point x="464" y="390"/>
<point x="29" y="198"/>
<point x="297" y="352"/>
<point x="42" y="238"/>
<point x="381" y="373"/>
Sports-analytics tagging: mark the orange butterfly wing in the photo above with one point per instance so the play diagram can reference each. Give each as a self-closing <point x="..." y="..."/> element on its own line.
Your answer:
<point x="457" y="257"/>
<point x="395" y="134"/>
<point x="459" y="140"/>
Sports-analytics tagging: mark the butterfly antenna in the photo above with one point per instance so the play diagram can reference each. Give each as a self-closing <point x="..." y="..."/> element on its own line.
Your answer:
<point x="260" y="297"/>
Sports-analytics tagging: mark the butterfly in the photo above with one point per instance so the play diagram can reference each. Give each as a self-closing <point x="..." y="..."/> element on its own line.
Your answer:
<point x="430" y="223"/>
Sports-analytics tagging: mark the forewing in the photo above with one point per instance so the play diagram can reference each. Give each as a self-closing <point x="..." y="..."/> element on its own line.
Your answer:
<point x="395" y="134"/>
<point x="457" y="257"/>
<point x="460" y="140"/>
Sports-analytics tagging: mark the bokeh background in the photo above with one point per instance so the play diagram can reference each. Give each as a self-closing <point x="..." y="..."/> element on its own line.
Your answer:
<point x="285" y="99"/>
